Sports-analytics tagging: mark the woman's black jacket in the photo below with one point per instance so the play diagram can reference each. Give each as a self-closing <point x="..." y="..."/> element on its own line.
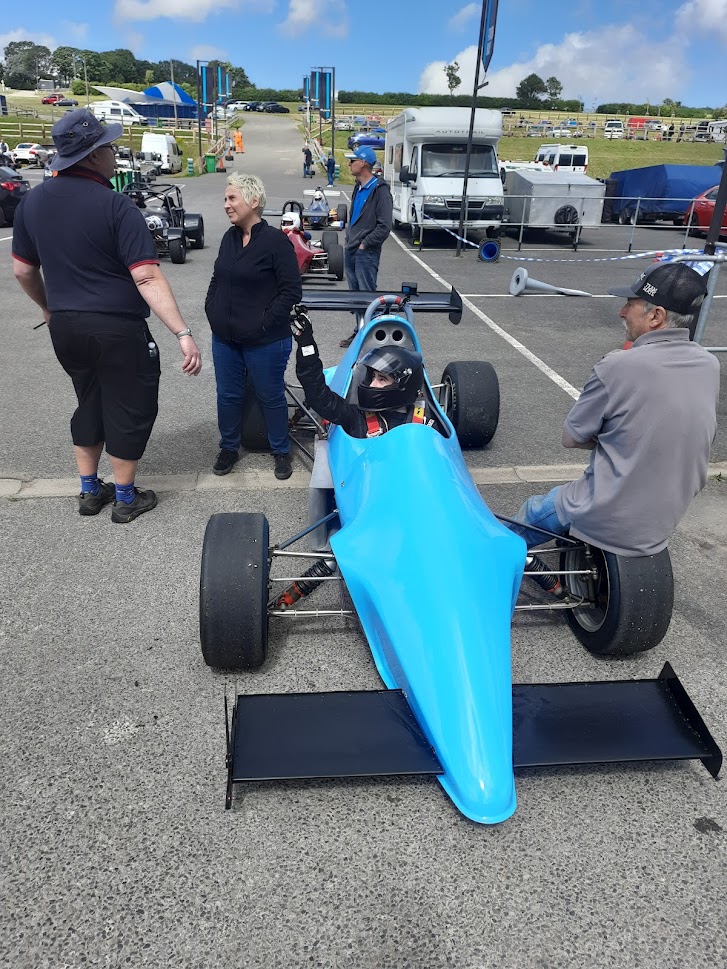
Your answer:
<point x="253" y="288"/>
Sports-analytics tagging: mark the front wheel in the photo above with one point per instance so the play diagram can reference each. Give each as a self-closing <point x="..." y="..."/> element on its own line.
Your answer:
<point x="631" y="599"/>
<point x="233" y="591"/>
<point x="342" y="213"/>
<point x="177" y="251"/>
<point x="470" y="397"/>
<point x="335" y="261"/>
<point x="329" y="238"/>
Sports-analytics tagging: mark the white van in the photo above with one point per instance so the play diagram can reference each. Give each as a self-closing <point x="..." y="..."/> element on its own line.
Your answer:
<point x="168" y="154"/>
<point x="117" y="111"/>
<point x="563" y="158"/>
<point x="424" y="161"/>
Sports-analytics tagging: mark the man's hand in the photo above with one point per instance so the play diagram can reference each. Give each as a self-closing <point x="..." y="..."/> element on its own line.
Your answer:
<point x="192" y="357"/>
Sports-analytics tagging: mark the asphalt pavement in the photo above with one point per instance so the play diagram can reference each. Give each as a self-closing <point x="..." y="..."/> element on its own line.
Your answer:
<point x="116" y="848"/>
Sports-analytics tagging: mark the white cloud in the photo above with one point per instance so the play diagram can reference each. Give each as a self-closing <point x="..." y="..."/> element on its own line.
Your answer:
<point x="196" y="10"/>
<point x="77" y="32"/>
<point x="13" y="36"/>
<point x="617" y="63"/>
<point x="206" y="52"/>
<point x="703" y="17"/>
<point x="463" y="16"/>
<point x="331" y="16"/>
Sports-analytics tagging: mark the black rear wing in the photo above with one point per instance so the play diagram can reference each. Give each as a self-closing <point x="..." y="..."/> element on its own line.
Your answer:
<point x="358" y="301"/>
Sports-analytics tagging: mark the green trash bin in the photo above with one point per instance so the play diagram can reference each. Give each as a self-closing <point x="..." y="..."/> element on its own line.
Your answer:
<point x="210" y="161"/>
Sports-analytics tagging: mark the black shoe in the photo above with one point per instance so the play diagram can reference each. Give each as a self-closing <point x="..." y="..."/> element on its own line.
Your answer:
<point x="89" y="504"/>
<point x="349" y="340"/>
<point x="124" y="512"/>
<point x="226" y="461"/>
<point x="283" y="466"/>
<point x="548" y="583"/>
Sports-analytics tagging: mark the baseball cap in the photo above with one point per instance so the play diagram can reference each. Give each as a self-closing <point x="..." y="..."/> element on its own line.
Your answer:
<point x="365" y="154"/>
<point x="675" y="286"/>
<point x="77" y="134"/>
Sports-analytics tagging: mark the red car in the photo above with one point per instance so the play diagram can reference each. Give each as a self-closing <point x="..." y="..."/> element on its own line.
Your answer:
<point x="52" y="99"/>
<point x="315" y="259"/>
<point x="700" y="219"/>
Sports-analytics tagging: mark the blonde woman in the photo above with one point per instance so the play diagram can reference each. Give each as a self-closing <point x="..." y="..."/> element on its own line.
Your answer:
<point x="255" y="283"/>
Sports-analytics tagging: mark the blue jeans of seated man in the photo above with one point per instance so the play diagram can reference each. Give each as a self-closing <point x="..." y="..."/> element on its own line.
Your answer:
<point x="539" y="510"/>
<point x="265" y="366"/>
<point x="362" y="268"/>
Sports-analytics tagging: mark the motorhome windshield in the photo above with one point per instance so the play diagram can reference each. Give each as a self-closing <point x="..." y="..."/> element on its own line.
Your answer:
<point x="441" y="159"/>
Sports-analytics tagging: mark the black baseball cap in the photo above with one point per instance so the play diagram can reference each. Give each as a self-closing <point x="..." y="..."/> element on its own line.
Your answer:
<point x="673" y="285"/>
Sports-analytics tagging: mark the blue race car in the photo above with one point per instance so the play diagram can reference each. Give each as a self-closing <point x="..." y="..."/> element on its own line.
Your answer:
<point x="449" y="708"/>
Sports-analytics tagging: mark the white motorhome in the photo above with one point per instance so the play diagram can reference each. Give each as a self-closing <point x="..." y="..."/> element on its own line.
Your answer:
<point x="424" y="163"/>
<point x="163" y="150"/>
<point x="117" y="111"/>
<point x="564" y="158"/>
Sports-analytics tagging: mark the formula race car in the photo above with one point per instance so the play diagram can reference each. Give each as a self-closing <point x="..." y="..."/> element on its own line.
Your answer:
<point x="317" y="260"/>
<point x="403" y="507"/>
<point x="171" y="227"/>
<point x="318" y="214"/>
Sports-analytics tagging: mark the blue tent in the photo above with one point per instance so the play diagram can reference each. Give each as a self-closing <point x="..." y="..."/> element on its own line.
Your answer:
<point x="166" y="91"/>
<point x="664" y="191"/>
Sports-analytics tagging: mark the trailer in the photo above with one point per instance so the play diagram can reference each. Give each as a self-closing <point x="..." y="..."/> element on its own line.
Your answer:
<point x="658" y="192"/>
<point x="562" y="202"/>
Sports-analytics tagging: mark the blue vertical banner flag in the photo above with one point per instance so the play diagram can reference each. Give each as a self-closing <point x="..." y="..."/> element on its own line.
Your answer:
<point x="325" y="104"/>
<point x="306" y="87"/>
<point x="490" y="23"/>
<point x="314" y="88"/>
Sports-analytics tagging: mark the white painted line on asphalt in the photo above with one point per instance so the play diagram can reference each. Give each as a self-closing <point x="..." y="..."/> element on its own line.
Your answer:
<point x="6" y="239"/>
<point x="510" y="296"/>
<point x="516" y="344"/>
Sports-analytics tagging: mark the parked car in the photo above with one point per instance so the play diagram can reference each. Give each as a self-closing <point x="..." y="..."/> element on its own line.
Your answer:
<point x="614" y="129"/>
<point x="371" y="139"/>
<point x="251" y="106"/>
<point x="28" y="153"/>
<point x="276" y="108"/>
<point x="12" y="189"/>
<point x="52" y="99"/>
<point x="699" y="216"/>
<point x="67" y="103"/>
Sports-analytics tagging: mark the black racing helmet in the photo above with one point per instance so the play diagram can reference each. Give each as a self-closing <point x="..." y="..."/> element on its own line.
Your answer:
<point x="405" y="366"/>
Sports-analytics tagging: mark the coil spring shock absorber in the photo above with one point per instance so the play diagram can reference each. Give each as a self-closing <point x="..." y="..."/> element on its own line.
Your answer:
<point x="309" y="580"/>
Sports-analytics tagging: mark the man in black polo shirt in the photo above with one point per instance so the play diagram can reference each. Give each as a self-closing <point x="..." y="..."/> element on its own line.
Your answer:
<point x="100" y="278"/>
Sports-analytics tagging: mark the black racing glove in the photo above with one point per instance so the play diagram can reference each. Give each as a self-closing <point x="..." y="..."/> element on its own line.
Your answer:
<point x="300" y="324"/>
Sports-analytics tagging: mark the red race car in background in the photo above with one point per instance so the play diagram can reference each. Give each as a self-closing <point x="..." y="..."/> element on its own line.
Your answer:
<point x="316" y="259"/>
<point x="699" y="214"/>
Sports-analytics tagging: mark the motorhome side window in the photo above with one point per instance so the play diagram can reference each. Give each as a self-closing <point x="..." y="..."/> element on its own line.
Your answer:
<point x="398" y="156"/>
<point x="441" y="159"/>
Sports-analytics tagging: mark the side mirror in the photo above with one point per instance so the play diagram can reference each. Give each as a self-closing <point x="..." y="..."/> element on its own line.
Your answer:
<point x="404" y="175"/>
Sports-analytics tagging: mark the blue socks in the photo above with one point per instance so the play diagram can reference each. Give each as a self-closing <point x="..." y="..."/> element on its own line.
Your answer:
<point x="90" y="484"/>
<point x="125" y="493"/>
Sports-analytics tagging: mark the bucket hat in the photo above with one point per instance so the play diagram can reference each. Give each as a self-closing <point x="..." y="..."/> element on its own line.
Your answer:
<point x="77" y="134"/>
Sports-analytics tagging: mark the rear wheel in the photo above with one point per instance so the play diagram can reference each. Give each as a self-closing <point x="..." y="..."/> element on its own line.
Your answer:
<point x="177" y="250"/>
<point x="470" y="397"/>
<point x="233" y="591"/>
<point x="329" y="238"/>
<point x="3" y="220"/>
<point x="197" y="236"/>
<point x="335" y="261"/>
<point x="631" y="599"/>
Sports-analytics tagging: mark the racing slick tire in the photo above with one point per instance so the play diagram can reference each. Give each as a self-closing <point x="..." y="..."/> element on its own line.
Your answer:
<point x="253" y="430"/>
<point x="342" y="214"/>
<point x="177" y="251"/>
<point x="197" y="236"/>
<point x="634" y="600"/>
<point x="335" y="261"/>
<point x="470" y="397"/>
<point x="329" y="238"/>
<point x="233" y="591"/>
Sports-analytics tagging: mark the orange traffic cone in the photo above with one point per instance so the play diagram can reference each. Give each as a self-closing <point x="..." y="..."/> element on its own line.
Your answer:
<point x="220" y="165"/>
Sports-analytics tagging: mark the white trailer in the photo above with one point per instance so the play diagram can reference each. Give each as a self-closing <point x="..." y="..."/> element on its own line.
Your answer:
<point x="565" y="202"/>
<point x="424" y="163"/>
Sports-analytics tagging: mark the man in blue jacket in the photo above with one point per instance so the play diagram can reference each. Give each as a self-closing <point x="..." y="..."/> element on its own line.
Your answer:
<point x="369" y="225"/>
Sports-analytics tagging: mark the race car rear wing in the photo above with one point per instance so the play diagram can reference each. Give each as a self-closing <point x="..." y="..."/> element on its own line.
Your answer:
<point x="358" y="301"/>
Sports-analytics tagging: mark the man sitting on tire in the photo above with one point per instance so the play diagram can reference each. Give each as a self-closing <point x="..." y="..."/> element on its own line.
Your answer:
<point x="648" y="415"/>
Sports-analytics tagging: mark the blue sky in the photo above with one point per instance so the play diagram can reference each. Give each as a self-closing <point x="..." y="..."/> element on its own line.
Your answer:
<point x="615" y="51"/>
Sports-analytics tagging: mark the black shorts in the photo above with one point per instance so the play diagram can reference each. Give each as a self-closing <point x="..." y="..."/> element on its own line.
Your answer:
<point x="115" y="376"/>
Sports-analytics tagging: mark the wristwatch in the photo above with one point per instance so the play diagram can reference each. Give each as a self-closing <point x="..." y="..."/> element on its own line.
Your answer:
<point x="182" y="333"/>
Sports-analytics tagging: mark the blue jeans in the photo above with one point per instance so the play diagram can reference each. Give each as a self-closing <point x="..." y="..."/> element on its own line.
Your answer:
<point x="266" y="367"/>
<point x="539" y="510"/>
<point x="362" y="268"/>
